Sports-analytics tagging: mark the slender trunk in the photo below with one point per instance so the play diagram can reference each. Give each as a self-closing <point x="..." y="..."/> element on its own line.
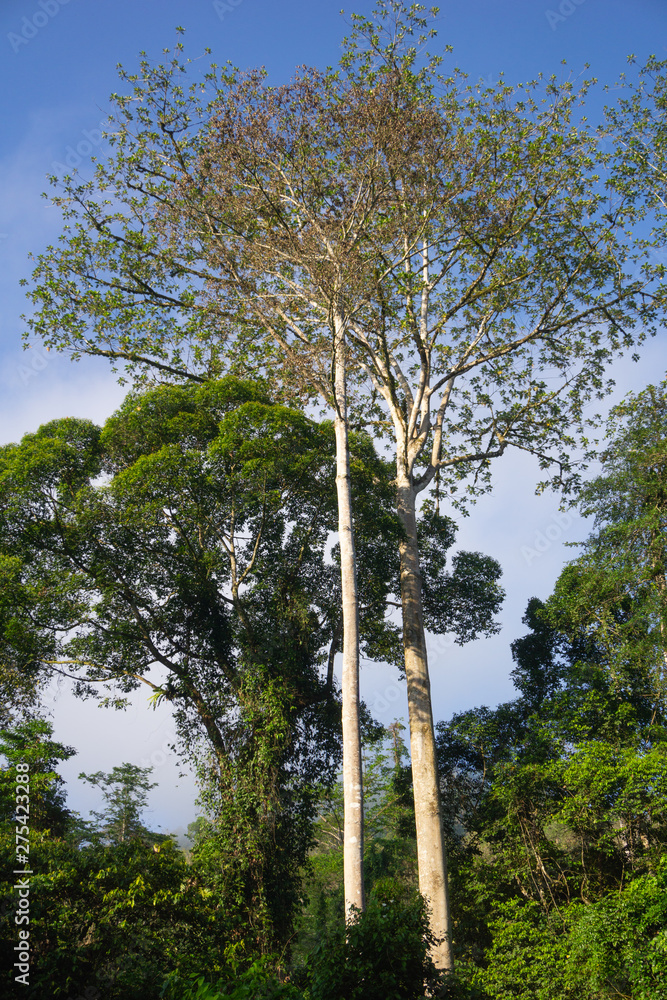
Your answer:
<point x="431" y="854"/>
<point x="353" y="843"/>
<point x="661" y="680"/>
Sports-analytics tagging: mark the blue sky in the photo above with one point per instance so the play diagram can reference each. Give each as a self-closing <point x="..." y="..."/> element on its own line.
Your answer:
<point x="57" y="68"/>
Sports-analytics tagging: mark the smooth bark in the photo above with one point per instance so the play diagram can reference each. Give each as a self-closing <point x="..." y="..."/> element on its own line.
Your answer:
<point x="431" y="854"/>
<point x="353" y="843"/>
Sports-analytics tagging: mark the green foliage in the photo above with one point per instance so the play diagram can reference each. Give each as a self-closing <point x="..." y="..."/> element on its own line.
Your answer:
<point x="618" y="946"/>
<point x="527" y="958"/>
<point x="614" y="947"/>
<point x="616" y="591"/>
<point x="251" y="851"/>
<point x="29" y="743"/>
<point x="382" y="955"/>
<point x="559" y="817"/>
<point x="389" y="840"/>
<point x="19" y="684"/>
<point x="116" y="916"/>
<point x="465" y="599"/>
<point x="559" y="796"/>
<point x="255" y="982"/>
<point x="636" y="128"/>
<point x="203" y="550"/>
<point x="125" y="790"/>
<point x="110" y="916"/>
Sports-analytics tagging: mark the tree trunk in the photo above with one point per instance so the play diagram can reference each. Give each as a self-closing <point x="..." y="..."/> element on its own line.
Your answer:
<point x="431" y="854"/>
<point x="353" y="843"/>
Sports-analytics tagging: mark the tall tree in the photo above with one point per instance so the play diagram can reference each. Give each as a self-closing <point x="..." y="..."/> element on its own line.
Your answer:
<point x="509" y="270"/>
<point x="448" y="250"/>
<point x="201" y="557"/>
<point x="27" y="747"/>
<point x="203" y="554"/>
<point x="125" y="790"/>
<point x="567" y="783"/>
<point x="557" y="805"/>
<point x="617" y="588"/>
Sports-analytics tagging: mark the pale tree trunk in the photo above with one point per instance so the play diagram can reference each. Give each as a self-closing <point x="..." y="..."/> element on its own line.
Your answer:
<point x="431" y="854"/>
<point x="661" y="681"/>
<point x="353" y="842"/>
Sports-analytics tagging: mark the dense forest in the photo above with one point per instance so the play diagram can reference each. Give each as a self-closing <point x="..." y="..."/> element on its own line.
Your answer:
<point x="555" y="804"/>
<point x="339" y="303"/>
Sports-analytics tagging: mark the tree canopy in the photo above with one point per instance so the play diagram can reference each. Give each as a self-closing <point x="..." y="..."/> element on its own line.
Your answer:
<point x="450" y="267"/>
<point x="186" y="547"/>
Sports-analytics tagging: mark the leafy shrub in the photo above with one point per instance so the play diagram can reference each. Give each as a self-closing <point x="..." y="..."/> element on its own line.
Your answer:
<point x="113" y="918"/>
<point x="528" y="956"/>
<point x="382" y="956"/>
<point x="257" y="982"/>
<point x="618" y="946"/>
<point x="614" y="947"/>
